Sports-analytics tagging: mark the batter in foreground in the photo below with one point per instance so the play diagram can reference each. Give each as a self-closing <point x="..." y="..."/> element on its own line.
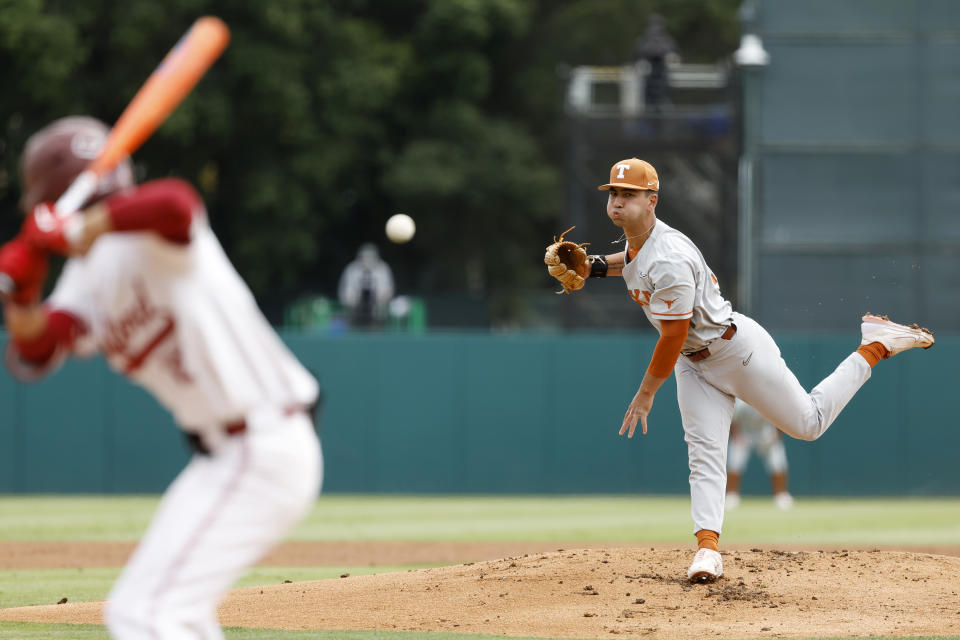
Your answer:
<point x="148" y="285"/>
<point x="725" y="354"/>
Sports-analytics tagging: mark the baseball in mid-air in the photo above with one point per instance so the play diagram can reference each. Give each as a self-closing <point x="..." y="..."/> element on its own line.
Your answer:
<point x="400" y="228"/>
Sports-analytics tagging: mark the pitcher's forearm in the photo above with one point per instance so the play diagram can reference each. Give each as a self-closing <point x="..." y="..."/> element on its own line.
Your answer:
<point x="615" y="262"/>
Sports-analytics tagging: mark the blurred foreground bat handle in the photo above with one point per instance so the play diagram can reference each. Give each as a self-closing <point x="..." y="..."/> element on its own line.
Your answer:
<point x="79" y="192"/>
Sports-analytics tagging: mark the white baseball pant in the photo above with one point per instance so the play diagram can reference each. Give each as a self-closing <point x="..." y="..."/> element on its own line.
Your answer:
<point x="219" y="517"/>
<point x="749" y="367"/>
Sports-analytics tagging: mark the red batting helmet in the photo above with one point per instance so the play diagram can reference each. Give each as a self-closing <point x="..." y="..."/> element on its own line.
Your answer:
<point x="56" y="154"/>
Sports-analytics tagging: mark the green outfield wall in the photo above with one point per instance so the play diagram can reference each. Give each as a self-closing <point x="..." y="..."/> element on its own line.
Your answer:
<point x="493" y="413"/>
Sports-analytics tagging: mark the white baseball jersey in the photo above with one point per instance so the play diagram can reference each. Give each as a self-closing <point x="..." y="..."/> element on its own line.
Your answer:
<point x="670" y="280"/>
<point x="179" y="321"/>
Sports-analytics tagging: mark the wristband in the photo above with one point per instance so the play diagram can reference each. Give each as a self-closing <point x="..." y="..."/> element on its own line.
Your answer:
<point x="598" y="266"/>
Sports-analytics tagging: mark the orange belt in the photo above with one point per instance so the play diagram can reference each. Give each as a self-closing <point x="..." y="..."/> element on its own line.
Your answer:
<point x="704" y="353"/>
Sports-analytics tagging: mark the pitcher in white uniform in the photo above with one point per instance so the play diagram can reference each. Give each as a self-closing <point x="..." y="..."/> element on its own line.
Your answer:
<point x="149" y="287"/>
<point x="725" y="355"/>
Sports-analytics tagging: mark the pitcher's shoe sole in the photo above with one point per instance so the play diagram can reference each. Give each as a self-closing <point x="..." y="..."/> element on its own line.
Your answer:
<point x="894" y="337"/>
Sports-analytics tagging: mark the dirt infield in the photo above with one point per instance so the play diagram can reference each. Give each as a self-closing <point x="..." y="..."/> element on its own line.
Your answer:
<point x="576" y="593"/>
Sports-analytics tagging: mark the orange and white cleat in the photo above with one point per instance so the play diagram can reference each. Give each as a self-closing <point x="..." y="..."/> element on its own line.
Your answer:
<point x="707" y="566"/>
<point x="894" y="337"/>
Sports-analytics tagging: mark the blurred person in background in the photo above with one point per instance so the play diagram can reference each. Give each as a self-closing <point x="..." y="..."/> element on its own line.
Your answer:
<point x="654" y="49"/>
<point x="750" y="431"/>
<point x="366" y="287"/>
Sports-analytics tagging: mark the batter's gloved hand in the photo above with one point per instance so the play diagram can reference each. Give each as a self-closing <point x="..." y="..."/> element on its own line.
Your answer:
<point x="23" y="270"/>
<point x="567" y="262"/>
<point x="51" y="231"/>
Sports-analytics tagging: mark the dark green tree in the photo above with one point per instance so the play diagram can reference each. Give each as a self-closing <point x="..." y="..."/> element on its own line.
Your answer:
<point x="322" y="119"/>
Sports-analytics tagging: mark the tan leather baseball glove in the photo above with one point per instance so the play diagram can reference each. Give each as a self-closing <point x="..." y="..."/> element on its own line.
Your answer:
<point x="567" y="262"/>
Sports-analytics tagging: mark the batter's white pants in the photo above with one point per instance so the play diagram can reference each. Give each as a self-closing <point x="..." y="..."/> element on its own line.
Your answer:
<point x="218" y="518"/>
<point x="749" y="367"/>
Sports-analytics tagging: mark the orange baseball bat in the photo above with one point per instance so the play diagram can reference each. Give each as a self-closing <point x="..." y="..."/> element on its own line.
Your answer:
<point x="167" y="86"/>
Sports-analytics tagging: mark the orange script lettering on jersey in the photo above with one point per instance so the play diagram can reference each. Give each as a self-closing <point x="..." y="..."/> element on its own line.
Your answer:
<point x="636" y="293"/>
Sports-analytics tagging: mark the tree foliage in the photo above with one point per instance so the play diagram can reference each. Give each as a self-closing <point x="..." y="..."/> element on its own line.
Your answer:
<point x="324" y="118"/>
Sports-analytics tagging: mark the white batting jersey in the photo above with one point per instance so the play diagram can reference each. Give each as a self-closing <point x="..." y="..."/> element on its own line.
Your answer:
<point x="670" y="280"/>
<point x="179" y="321"/>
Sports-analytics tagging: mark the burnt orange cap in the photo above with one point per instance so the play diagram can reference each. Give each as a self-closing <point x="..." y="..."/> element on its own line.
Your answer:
<point x="633" y="173"/>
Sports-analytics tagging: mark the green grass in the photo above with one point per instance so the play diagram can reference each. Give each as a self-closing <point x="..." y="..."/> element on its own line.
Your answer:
<point x="85" y="518"/>
<point x="568" y="519"/>
<point x="907" y="522"/>
<point x="626" y="519"/>
<point x="26" y="587"/>
<point x="521" y="518"/>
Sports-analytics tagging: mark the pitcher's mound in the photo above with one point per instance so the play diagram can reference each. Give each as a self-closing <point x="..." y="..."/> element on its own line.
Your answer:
<point x="627" y="592"/>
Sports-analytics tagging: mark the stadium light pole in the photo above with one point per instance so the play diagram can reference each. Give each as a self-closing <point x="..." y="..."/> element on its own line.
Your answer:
<point x="750" y="58"/>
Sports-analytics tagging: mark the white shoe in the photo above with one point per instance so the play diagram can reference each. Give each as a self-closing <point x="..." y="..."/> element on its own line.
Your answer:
<point x="732" y="501"/>
<point x="707" y="566"/>
<point x="894" y="337"/>
<point x="783" y="500"/>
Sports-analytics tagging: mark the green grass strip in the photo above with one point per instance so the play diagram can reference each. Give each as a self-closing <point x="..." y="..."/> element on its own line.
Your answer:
<point x="27" y="587"/>
<point x="628" y="519"/>
<point x="585" y="519"/>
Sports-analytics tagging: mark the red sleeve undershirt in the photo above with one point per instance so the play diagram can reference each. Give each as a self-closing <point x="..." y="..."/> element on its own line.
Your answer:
<point x="673" y="333"/>
<point x="165" y="206"/>
<point x="62" y="329"/>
